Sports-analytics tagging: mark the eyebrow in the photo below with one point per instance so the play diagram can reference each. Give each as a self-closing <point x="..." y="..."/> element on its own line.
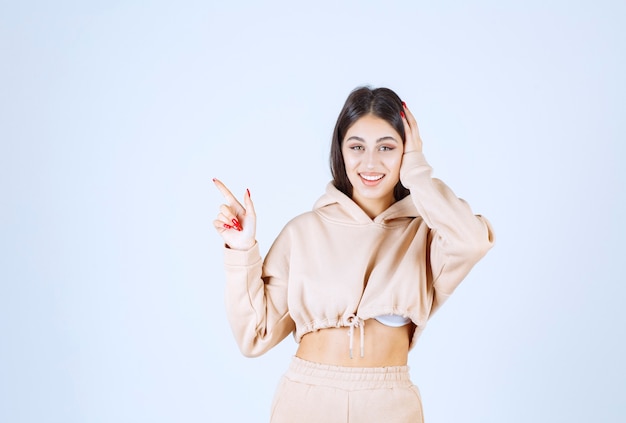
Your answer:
<point x="385" y="138"/>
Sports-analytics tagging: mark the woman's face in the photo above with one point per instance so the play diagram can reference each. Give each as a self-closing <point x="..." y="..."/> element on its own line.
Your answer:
<point x="372" y="153"/>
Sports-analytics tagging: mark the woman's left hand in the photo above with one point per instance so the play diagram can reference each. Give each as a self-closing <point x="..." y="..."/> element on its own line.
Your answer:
<point x="413" y="140"/>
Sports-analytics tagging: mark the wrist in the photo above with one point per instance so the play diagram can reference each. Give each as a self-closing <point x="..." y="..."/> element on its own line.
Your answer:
<point x="240" y="247"/>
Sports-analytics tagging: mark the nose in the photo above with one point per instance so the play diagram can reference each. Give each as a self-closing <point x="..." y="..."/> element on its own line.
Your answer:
<point x="371" y="159"/>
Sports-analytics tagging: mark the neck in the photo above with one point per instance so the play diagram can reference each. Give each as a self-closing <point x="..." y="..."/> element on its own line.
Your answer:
<point x="373" y="208"/>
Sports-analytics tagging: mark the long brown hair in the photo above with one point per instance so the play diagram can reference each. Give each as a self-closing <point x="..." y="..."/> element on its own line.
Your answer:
<point x="380" y="102"/>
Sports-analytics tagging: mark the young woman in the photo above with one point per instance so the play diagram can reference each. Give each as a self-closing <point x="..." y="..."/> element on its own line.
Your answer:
<point x="355" y="279"/>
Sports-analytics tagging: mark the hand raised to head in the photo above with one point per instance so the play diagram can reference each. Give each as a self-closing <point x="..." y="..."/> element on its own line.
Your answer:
<point x="236" y="223"/>
<point x="413" y="140"/>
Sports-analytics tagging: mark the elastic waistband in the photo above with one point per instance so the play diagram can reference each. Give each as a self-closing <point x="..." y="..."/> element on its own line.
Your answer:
<point x="350" y="378"/>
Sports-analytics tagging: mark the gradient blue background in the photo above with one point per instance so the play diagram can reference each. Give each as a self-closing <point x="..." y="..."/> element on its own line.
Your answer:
<point x="114" y="117"/>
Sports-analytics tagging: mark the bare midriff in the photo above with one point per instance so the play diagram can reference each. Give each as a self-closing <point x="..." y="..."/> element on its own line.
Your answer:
<point x="383" y="346"/>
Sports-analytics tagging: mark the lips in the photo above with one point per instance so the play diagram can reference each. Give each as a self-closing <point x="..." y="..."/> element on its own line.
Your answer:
<point x="371" y="178"/>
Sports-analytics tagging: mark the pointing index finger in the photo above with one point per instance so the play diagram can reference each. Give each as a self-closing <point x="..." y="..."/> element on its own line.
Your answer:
<point x="232" y="200"/>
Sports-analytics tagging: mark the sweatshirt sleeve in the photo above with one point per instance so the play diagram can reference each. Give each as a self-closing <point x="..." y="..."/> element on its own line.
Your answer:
<point x="256" y="297"/>
<point x="459" y="239"/>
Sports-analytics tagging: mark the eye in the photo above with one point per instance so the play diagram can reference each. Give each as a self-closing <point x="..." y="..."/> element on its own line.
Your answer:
<point x="356" y="147"/>
<point x="386" y="148"/>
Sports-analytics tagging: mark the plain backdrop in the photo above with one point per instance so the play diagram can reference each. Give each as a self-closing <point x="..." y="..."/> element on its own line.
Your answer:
<point x="115" y="115"/>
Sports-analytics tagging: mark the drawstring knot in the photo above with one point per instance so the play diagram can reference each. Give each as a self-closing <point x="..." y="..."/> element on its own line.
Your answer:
<point x="355" y="321"/>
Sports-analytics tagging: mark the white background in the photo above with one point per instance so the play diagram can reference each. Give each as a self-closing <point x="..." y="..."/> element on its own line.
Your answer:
<point x="115" y="115"/>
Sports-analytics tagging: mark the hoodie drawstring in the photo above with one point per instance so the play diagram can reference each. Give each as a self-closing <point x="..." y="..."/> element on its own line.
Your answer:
<point x="355" y="321"/>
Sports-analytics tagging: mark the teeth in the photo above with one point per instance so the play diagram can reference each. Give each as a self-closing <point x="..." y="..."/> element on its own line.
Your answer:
<point x="372" y="178"/>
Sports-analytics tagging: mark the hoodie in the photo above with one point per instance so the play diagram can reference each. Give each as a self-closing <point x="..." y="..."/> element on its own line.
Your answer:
<point x="335" y="265"/>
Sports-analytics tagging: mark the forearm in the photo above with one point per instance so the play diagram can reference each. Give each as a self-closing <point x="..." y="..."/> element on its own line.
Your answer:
<point x="459" y="237"/>
<point x="256" y="304"/>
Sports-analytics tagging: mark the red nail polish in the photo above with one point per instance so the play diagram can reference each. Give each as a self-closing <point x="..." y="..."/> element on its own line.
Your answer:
<point x="402" y="114"/>
<point x="227" y="226"/>
<point x="248" y="191"/>
<point x="236" y="224"/>
<point x="403" y="104"/>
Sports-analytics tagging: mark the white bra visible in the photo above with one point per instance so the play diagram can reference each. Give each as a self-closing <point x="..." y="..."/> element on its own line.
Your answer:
<point x="393" y="320"/>
<point x="353" y="321"/>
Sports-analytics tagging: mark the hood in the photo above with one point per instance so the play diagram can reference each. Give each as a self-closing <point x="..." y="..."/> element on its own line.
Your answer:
<point x="334" y="205"/>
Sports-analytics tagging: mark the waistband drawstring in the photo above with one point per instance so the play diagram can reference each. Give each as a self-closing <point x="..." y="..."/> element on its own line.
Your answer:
<point x="355" y="321"/>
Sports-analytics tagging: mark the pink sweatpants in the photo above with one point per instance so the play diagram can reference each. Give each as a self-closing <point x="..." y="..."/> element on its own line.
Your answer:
<point x="319" y="393"/>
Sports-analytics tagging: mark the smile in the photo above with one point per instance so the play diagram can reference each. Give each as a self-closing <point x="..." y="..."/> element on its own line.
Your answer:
<point x="371" y="179"/>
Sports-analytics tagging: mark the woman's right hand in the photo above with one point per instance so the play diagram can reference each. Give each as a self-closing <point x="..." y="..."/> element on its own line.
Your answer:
<point x="236" y="223"/>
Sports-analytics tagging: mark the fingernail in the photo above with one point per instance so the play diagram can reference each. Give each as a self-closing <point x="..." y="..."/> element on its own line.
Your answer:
<point x="237" y="224"/>
<point x="214" y="179"/>
<point x="227" y="226"/>
<point x="248" y="191"/>
<point x="402" y="114"/>
<point x="403" y="104"/>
